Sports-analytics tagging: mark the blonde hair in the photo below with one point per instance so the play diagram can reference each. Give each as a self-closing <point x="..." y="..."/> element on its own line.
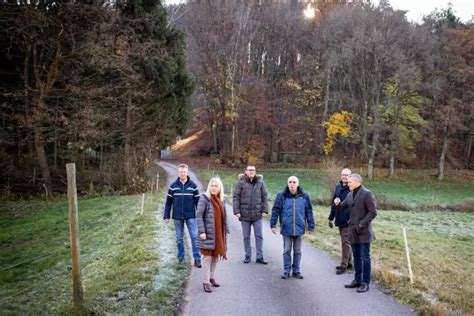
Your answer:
<point x="219" y="184"/>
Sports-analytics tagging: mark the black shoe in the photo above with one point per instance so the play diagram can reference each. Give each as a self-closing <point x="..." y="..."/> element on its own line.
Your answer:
<point x="339" y="267"/>
<point x="297" y="275"/>
<point x="247" y="260"/>
<point x="341" y="271"/>
<point x="197" y="263"/>
<point x="285" y="276"/>
<point x="353" y="285"/>
<point x="364" y="287"/>
<point x="349" y="266"/>
<point x="261" y="261"/>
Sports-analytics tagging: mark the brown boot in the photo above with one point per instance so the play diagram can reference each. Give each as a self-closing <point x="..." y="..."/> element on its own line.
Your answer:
<point x="207" y="288"/>
<point x="214" y="283"/>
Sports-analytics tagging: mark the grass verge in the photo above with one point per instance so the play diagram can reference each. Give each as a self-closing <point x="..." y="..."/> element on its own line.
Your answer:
<point x="128" y="260"/>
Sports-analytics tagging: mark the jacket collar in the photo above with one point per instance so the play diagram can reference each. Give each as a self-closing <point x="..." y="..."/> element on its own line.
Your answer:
<point x="178" y="181"/>
<point x="299" y="191"/>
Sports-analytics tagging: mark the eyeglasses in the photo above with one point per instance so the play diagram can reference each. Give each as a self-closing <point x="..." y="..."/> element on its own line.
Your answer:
<point x="291" y="181"/>
<point x="250" y="169"/>
<point x="345" y="174"/>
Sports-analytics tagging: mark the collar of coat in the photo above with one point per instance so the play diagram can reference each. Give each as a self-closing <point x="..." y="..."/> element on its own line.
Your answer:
<point x="188" y="181"/>
<point x="299" y="191"/>
<point x="243" y="176"/>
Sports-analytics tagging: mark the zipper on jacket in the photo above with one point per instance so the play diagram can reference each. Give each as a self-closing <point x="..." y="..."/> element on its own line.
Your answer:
<point x="294" y="216"/>
<point x="182" y="201"/>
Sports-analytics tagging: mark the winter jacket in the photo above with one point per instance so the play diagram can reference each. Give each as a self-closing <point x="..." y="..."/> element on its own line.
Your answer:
<point x="205" y="223"/>
<point x="293" y="212"/>
<point x="341" y="214"/>
<point x="183" y="198"/>
<point x="250" y="199"/>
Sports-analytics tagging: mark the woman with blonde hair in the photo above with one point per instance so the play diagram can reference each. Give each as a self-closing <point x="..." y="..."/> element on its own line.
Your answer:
<point x="212" y="229"/>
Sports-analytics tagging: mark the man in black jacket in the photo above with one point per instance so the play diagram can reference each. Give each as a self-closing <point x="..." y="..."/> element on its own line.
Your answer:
<point x="250" y="202"/>
<point x="183" y="197"/>
<point x="342" y="218"/>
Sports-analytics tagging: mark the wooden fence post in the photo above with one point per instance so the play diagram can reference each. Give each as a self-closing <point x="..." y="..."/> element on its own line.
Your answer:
<point x="407" y="251"/>
<point x="74" y="233"/>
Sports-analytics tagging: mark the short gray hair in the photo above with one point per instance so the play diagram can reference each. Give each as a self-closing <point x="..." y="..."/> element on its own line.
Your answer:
<point x="356" y="177"/>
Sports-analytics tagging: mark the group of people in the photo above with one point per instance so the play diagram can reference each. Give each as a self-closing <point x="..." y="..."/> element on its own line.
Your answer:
<point x="353" y="209"/>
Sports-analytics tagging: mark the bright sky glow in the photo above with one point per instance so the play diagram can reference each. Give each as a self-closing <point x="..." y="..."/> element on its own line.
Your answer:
<point x="464" y="9"/>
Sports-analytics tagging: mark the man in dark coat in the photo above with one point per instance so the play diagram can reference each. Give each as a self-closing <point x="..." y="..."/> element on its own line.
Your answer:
<point x="250" y="202"/>
<point x="342" y="221"/>
<point x="362" y="209"/>
<point x="182" y="198"/>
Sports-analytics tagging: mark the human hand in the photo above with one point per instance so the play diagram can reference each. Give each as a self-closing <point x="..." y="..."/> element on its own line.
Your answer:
<point x="274" y="231"/>
<point x="202" y="236"/>
<point x="330" y="224"/>
<point x="237" y="215"/>
<point x="337" y="201"/>
<point x="264" y="214"/>
<point x="167" y="220"/>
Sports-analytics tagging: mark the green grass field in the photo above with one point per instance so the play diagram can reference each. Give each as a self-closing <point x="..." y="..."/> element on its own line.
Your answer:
<point x="128" y="260"/>
<point x="441" y="242"/>
<point x="415" y="192"/>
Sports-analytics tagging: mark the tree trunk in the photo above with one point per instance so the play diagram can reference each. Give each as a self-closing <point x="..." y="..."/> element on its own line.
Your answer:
<point x="127" y="145"/>
<point x="322" y="135"/>
<point x="469" y="151"/>
<point x="214" y="136"/>
<point x="392" y="165"/>
<point x="443" y="156"/>
<point x="43" y="162"/>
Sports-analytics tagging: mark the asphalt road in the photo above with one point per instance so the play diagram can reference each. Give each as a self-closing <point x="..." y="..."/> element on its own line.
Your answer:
<point x="254" y="289"/>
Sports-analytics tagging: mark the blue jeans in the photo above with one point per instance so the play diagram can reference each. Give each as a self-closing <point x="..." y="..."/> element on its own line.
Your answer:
<point x="361" y="257"/>
<point x="290" y="242"/>
<point x="192" y="229"/>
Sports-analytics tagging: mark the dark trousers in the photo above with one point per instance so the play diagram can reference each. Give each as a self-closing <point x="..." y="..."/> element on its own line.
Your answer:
<point x="345" y="247"/>
<point x="361" y="254"/>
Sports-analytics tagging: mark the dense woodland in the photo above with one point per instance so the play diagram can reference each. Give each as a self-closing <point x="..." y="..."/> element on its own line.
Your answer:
<point x="108" y="84"/>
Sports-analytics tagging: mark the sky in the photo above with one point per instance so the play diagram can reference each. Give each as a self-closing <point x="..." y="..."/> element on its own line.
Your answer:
<point x="464" y="9"/>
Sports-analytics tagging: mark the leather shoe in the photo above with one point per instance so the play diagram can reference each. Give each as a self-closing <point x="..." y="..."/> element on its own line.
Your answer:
<point x="364" y="287"/>
<point x="352" y="285"/>
<point x="247" y="260"/>
<point x="261" y="261"/>
<point x="197" y="263"/>
<point x="214" y="283"/>
<point x="285" y="276"/>
<point x="297" y="275"/>
<point x="207" y="288"/>
<point x="341" y="271"/>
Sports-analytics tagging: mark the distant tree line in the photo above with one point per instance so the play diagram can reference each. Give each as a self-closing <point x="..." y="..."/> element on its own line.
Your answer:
<point x="358" y="82"/>
<point x="103" y="84"/>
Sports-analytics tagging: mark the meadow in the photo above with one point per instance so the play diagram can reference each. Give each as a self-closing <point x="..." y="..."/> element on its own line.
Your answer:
<point x="128" y="260"/>
<point x="440" y="241"/>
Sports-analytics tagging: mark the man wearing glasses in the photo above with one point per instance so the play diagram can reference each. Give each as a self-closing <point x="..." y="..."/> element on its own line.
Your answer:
<point x="342" y="218"/>
<point x="293" y="209"/>
<point x="250" y="202"/>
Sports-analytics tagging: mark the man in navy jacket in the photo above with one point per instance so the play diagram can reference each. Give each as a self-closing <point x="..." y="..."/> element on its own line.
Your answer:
<point x="183" y="197"/>
<point x="342" y="219"/>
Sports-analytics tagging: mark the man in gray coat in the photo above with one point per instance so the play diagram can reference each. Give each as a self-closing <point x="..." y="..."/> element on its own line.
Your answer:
<point x="250" y="202"/>
<point x="362" y="210"/>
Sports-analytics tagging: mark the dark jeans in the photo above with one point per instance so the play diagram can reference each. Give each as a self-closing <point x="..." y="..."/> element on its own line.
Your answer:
<point x="361" y="257"/>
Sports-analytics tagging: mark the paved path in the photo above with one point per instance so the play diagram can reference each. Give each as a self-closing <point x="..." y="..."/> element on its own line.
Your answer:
<point x="254" y="289"/>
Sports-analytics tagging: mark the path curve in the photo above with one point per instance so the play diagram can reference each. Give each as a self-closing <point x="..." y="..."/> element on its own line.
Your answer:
<point x="254" y="289"/>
